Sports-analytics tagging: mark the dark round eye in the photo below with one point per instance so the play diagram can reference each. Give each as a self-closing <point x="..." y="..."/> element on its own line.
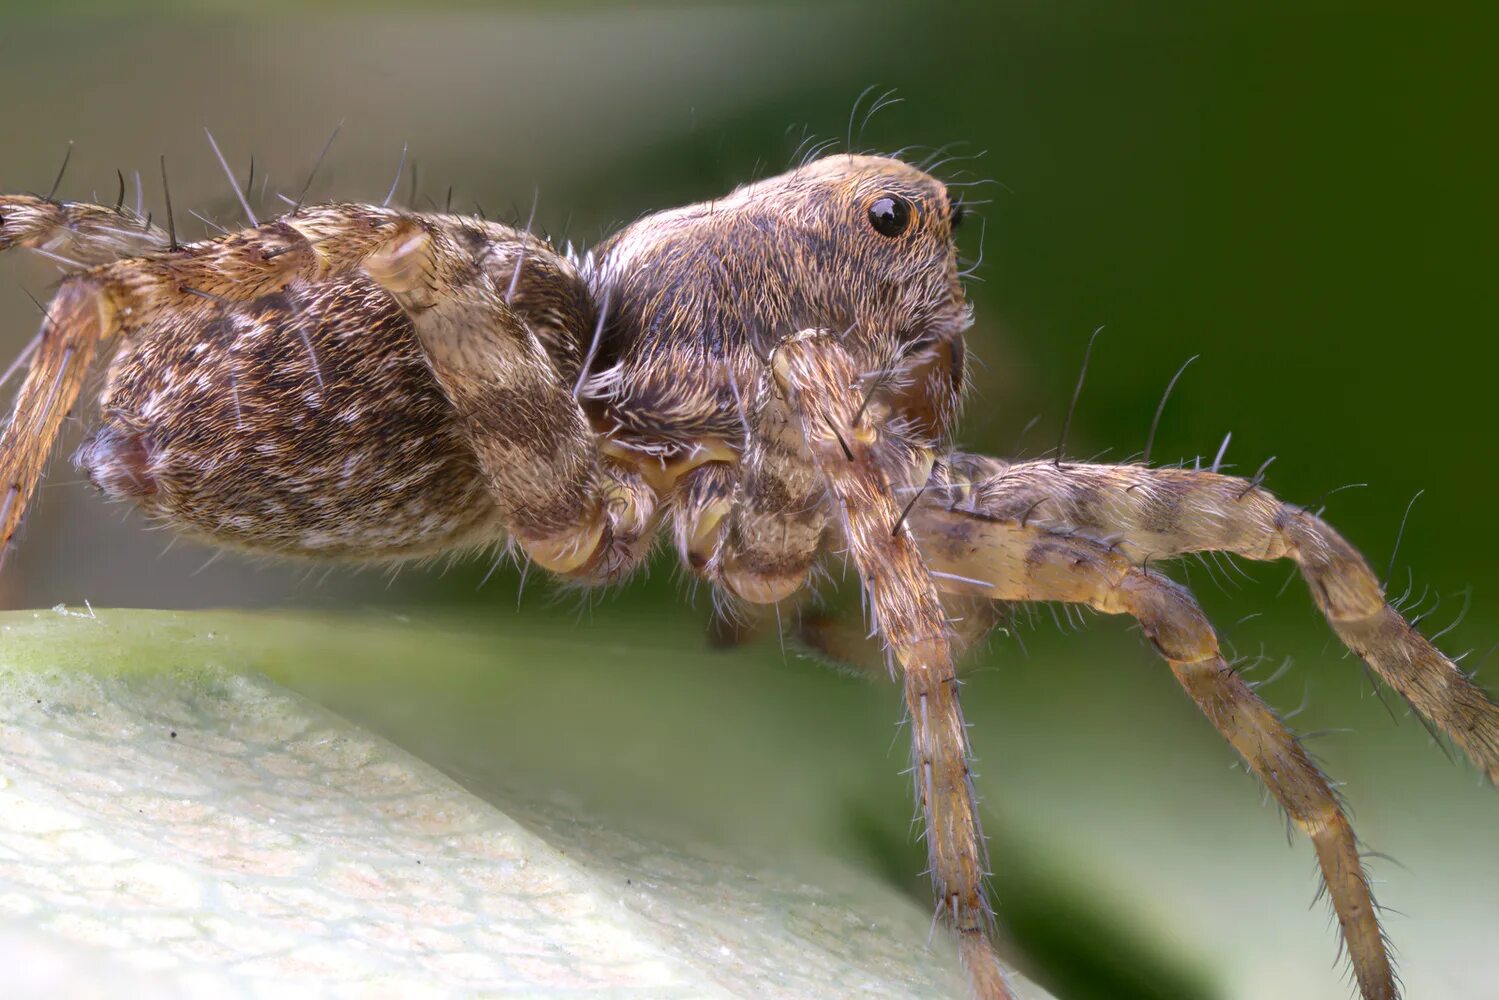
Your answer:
<point x="890" y="215"/>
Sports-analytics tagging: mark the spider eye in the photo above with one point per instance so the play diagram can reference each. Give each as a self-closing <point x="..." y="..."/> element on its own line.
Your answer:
<point x="890" y="215"/>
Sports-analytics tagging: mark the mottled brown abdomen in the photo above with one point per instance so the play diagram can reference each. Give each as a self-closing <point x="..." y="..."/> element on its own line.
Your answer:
<point x="301" y="423"/>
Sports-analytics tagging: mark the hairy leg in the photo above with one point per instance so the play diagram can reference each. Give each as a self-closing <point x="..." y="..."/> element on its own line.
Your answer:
<point x="821" y="386"/>
<point x="844" y="640"/>
<point x="1009" y="561"/>
<point x="755" y="526"/>
<point x="1150" y="515"/>
<point x="700" y="503"/>
<point x="571" y="511"/>
<point x="78" y="318"/>
<point x="75" y="234"/>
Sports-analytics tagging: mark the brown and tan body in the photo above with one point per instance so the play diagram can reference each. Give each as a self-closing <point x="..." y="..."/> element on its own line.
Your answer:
<point x="766" y="379"/>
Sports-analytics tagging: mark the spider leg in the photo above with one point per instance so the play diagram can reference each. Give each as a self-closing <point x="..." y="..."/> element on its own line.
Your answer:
<point x="108" y="302"/>
<point x="1011" y="561"/>
<point x="79" y="317"/>
<point x="754" y="526"/>
<point x="75" y="234"/>
<point x="1154" y="514"/>
<point x="820" y="385"/>
<point x="844" y="640"/>
<point x="573" y="512"/>
<point x="700" y="502"/>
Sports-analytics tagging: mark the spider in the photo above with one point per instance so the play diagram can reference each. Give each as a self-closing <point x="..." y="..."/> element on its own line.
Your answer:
<point x="767" y="378"/>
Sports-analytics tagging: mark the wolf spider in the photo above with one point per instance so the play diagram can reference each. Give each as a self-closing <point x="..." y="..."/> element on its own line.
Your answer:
<point x="767" y="377"/>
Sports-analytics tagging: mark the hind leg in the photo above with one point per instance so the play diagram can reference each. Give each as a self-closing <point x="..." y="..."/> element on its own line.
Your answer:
<point x="75" y="234"/>
<point x="79" y="318"/>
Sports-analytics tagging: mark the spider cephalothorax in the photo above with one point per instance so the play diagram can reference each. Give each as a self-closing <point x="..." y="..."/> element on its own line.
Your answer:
<point x="767" y="378"/>
<point x="859" y="245"/>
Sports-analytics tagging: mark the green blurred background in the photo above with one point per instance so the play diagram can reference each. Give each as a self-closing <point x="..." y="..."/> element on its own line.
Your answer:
<point x="1303" y="197"/>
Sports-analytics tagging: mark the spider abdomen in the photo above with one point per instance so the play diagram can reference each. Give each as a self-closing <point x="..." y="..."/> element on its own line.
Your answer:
<point x="300" y="423"/>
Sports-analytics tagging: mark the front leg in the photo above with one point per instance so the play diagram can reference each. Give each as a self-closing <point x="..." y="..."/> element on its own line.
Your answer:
<point x="1149" y="515"/>
<point x="1009" y="560"/>
<point x="860" y="464"/>
<point x="816" y="457"/>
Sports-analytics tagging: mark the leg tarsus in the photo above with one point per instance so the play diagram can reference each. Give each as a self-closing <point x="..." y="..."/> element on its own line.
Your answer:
<point x="986" y="976"/>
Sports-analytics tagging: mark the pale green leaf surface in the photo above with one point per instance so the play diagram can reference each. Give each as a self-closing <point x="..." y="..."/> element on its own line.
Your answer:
<point x="175" y="817"/>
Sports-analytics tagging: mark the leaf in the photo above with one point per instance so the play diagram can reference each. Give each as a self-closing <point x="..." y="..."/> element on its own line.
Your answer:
<point x="175" y="817"/>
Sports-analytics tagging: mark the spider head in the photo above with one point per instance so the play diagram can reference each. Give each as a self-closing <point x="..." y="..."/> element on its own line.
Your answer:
<point x="884" y="255"/>
<point x="859" y="245"/>
<point x="874" y="242"/>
